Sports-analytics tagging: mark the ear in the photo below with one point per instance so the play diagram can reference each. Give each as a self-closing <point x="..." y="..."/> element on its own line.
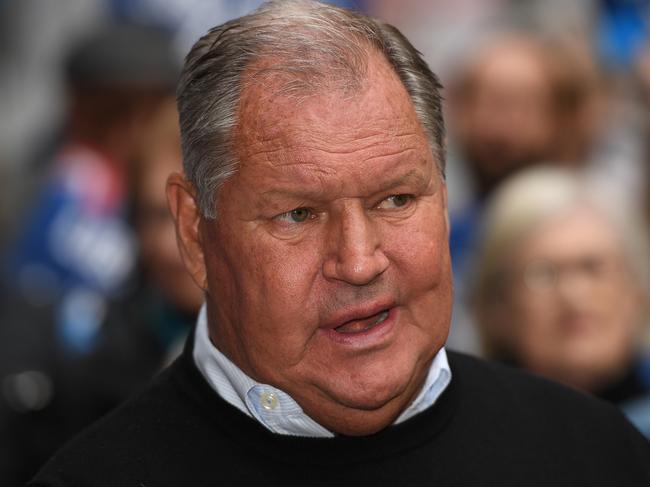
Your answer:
<point x="181" y="198"/>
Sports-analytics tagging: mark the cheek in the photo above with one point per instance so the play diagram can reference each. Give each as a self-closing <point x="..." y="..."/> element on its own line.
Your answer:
<point x="621" y="311"/>
<point x="422" y="269"/>
<point x="281" y="274"/>
<point x="270" y="284"/>
<point x="534" y="321"/>
<point x="422" y="249"/>
<point x="288" y="304"/>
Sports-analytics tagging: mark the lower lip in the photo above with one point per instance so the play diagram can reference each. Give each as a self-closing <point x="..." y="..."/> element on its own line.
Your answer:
<point x="373" y="336"/>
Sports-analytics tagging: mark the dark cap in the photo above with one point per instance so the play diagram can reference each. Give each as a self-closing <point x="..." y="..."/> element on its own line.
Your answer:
<point x="124" y="56"/>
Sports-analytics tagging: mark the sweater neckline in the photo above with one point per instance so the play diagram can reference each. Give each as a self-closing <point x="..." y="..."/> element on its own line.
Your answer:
<point x="339" y="450"/>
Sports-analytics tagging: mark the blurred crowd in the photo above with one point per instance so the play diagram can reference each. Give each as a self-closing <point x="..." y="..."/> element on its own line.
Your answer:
<point x="548" y="115"/>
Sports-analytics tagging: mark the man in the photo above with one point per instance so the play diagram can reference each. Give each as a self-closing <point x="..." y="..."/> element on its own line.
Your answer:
<point x="313" y="214"/>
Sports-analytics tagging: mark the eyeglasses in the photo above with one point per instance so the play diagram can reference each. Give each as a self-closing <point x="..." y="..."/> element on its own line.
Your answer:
<point x="543" y="276"/>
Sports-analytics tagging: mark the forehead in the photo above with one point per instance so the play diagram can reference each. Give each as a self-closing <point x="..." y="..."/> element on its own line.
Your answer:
<point x="579" y="231"/>
<point x="375" y="121"/>
<point x="512" y="58"/>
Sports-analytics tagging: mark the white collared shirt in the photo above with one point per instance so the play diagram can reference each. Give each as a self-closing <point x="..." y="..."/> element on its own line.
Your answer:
<point x="275" y="409"/>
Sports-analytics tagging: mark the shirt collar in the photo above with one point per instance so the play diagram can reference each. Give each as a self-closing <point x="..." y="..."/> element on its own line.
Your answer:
<point x="275" y="409"/>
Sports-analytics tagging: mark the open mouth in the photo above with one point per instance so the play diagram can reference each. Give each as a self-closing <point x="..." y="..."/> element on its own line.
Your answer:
<point x="364" y="324"/>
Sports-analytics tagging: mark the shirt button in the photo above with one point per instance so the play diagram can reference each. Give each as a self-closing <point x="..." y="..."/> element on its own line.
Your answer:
<point x="269" y="401"/>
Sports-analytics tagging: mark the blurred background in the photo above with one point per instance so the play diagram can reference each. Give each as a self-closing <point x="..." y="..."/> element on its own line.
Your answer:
<point x="547" y="109"/>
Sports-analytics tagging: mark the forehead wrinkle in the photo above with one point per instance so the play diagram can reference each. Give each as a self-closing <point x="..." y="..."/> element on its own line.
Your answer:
<point x="351" y="143"/>
<point x="294" y="175"/>
<point x="313" y="188"/>
<point x="319" y="188"/>
<point x="313" y="153"/>
<point x="396" y="153"/>
<point x="265" y="119"/>
<point x="259" y="130"/>
<point x="359" y="139"/>
<point x="319" y="138"/>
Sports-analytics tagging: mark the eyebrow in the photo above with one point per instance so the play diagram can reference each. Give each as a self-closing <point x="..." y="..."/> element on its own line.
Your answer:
<point x="411" y="177"/>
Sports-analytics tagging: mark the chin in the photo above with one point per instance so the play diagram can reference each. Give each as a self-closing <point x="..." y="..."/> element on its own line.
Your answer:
<point x="364" y="427"/>
<point x="384" y="387"/>
<point x="370" y="398"/>
<point x="360" y="422"/>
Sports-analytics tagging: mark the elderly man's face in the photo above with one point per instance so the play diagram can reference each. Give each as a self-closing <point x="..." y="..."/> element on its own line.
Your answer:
<point x="327" y="268"/>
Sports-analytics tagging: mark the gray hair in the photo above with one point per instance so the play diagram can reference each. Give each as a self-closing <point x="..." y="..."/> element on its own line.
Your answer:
<point x="311" y="46"/>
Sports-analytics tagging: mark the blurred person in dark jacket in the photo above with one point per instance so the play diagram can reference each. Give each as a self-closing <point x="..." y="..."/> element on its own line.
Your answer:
<point x="48" y="395"/>
<point x="74" y="247"/>
<point x="144" y="329"/>
<point x="561" y="287"/>
<point x="65" y="356"/>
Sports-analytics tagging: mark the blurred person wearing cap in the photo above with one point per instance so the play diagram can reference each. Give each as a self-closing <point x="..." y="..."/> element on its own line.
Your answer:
<point x="74" y="252"/>
<point x="142" y="332"/>
<point x="145" y="329"/>
<point x="562" y="286"/>
<point x="74" y="247"/>
<point x="312" y="212"/>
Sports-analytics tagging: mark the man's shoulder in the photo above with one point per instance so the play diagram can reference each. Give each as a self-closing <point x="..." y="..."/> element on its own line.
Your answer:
<point x="162" y="423"/>
<point x="533" y="419"/>
<point x="494" y="386"/>
<point x="508" y="423"/>
<point x="486" y="378"/>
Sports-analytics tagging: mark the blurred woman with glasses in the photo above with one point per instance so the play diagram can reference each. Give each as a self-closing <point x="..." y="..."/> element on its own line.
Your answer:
<point x="561" y="287"/>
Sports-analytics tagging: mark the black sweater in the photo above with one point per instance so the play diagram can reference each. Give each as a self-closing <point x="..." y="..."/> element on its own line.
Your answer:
<point x="493" y="426"/>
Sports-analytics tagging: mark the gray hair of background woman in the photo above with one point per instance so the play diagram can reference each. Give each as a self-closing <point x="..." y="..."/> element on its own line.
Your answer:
<point x="306" y="46"/>
<point x="526" y="201"/>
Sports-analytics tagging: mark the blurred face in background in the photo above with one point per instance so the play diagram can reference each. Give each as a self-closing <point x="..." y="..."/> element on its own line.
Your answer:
<point x="573" y="304"/>
<point x="161" y="155"/>
<point x="502" y="115"/>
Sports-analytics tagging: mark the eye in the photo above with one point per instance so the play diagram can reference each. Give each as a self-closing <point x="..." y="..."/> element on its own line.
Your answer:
<point x="395" y="201"/>
<point x="594" y="266"/>
<point x="540" y="275"/>
<point x="298" y="215"/>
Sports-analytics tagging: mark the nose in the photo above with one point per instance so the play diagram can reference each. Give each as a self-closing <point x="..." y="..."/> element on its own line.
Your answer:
<point x="355" y="252"/>
<point x="574" y="287"/>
